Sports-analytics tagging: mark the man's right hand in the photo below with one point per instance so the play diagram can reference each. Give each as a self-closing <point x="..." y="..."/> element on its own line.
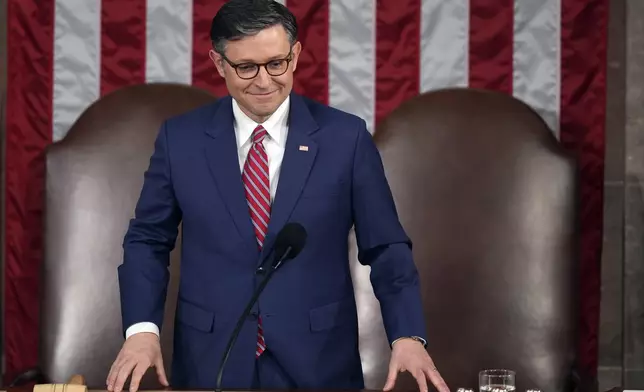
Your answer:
<point x="140" y="352"/>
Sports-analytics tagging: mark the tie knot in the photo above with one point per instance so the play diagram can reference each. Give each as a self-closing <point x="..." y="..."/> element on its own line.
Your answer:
<point x="259" y="134"/>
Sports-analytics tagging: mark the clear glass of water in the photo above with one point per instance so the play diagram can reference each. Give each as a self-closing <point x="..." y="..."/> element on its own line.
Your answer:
<point x="497" y="380"/>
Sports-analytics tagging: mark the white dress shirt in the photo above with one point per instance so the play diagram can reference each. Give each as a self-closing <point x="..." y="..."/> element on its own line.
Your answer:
<point x="277" y="128"/>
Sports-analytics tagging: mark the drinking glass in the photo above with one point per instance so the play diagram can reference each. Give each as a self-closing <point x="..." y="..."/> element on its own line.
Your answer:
<point x="497" y="380"/>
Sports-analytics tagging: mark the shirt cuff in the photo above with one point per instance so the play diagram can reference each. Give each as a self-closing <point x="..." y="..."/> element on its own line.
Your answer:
<point x="417" y="338"/>
<point x="142" y="327"/>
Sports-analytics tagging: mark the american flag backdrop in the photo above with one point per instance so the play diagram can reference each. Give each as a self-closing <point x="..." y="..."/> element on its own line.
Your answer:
<point x="363" y="56"/>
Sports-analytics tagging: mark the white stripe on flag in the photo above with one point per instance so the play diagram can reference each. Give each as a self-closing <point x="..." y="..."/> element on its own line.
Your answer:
<point x="352" y="57"/>
<point x="537" y="53"/>
<point x="168" y="55"/>
<point x="283" y="2"/>
<point x="77" y="51"/>
<point x="444" y="37"/>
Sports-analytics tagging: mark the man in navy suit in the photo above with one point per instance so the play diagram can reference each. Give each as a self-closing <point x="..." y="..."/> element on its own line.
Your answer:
<point x="234" y="172"/>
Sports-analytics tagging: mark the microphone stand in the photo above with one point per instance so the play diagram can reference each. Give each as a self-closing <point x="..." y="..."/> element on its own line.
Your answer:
<point x="240" y="322"/>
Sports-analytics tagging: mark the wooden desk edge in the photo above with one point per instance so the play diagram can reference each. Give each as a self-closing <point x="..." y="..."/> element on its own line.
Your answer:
<point x="29" y="389"/>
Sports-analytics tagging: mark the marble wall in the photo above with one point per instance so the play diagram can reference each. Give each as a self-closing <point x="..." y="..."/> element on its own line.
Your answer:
<point x="634" y="199"/>
<point x="622" y="309"/>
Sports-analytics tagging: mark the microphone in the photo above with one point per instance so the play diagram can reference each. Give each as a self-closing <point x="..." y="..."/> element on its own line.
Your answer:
<point x="288" y="244"/>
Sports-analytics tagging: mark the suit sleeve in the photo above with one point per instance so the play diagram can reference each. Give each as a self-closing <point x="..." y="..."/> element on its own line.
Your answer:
<point x="151" y="235"/>
<point x="384" y="245"/>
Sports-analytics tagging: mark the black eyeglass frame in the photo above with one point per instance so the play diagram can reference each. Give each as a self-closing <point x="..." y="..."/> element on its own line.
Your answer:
<point x="288" y="59"/>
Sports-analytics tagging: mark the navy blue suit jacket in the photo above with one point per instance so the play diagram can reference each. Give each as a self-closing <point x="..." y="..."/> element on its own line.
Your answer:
<point x="308" y="309"/>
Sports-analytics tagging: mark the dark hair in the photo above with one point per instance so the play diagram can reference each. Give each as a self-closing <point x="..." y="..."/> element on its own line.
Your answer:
<point x="237" y="19"/>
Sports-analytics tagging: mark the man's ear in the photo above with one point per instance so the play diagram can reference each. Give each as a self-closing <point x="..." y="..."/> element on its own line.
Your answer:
<point x="218" y="60"/>
<point x="297" y="48"/>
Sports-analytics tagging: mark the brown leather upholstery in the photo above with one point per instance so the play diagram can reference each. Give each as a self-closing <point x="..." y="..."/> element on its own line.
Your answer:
<point x="489" y="199"/>
<point x="94" y="177"/>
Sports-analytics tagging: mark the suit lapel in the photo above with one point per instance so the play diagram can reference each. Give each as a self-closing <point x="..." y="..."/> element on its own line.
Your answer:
<point x="221" y="154"/>
<point x="299" y="156"/>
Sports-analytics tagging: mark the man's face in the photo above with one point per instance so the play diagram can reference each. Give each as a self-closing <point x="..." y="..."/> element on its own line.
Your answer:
<point x="260" y="95"/>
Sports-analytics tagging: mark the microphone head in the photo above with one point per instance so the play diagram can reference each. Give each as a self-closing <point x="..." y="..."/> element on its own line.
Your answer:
<point x="293" y="236"/>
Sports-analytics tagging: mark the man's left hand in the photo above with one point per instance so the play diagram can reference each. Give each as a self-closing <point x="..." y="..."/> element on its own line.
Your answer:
<point x="410" y="355"/>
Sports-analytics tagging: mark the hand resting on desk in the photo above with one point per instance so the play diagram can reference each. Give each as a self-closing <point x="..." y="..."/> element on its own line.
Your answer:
<point x="139" y="352"/>
<point x="411" y="356"/>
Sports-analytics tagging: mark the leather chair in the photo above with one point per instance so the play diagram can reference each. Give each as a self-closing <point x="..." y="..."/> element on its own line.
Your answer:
<point x="94" y="176"/>
<point x="489" y="199"/>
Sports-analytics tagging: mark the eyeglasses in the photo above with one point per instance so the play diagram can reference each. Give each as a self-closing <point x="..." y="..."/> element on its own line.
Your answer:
<point x="247" y="71"/>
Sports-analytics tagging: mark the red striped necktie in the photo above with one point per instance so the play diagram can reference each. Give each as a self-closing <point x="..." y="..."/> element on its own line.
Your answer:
<point x="256" y="185"/>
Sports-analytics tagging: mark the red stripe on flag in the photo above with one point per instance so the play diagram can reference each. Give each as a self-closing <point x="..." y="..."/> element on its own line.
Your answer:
<point x="312" y="74"/>
<point x="397" y="53"/>
<point x="122" y="43"/>
<point x="29" y="128"/>
<point x="204" y="73"/>
<point x="583" y="89"/>
<point x="491" y="42"/>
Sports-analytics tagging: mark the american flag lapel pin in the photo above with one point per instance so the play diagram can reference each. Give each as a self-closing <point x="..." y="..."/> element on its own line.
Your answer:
<point x="304" y="148"/>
